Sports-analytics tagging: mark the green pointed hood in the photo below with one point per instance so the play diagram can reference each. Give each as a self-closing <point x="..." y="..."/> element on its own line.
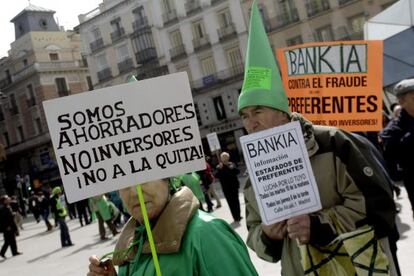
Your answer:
<point x="262" y="83"/>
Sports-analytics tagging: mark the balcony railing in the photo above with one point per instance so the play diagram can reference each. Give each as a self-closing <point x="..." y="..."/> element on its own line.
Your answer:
<point x="343" y="2"/>
<point x="140" y="24"/>
<point x="146" y="55"/>
<point x="170" y="17"/>
<point x="117" y="35"/>
<point x="104" y="74"/>
<point x="227" y="32"/>
<point x="192" y="6"/>
<point x="230" y="74"/>
<point x="201" y="42"/>
<point x="59" y="65"/>
<point x="152" y="72"/>
<point x="96" y="45"/>
<point x="317" y="6"/>
<point x="125" y="66"/>
<point x="177" y="52"/>
<point x="31" y="102"/>
<point x="63" y="92"/>
<point x="283" y="20"/>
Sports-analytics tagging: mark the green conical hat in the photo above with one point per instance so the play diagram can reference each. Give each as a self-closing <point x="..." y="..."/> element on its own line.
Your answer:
<point x="262" y="84"/>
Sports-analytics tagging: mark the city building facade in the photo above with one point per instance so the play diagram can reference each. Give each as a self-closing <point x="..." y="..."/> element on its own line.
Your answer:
<point x="44" y="62"/>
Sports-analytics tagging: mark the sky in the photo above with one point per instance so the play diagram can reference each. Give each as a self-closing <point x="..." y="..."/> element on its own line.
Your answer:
<point x="67" y="12"/>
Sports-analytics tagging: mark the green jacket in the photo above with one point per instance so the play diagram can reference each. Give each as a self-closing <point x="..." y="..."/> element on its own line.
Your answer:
<point x="188" y="242"/>
<point x="192" y="181"/>
<point x="340" y="168"/>
<point x="100" y="204"/>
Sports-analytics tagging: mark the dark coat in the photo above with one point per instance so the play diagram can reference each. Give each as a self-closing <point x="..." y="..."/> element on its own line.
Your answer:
<point x="227" y="175"/>
<point x="398" y="140"/>
<point x="7" y="219"/>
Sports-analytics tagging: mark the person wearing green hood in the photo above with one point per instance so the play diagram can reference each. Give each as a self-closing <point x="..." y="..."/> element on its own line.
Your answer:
<point x="60" y="213"/>
<point x="340" y="165"/>
<point x="188" y="241"/>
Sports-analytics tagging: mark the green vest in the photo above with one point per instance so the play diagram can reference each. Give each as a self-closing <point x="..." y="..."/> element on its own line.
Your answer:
<point x="61" y="210"/>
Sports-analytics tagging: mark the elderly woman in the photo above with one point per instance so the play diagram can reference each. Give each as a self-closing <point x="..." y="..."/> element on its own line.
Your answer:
<point x="187" y="240"/>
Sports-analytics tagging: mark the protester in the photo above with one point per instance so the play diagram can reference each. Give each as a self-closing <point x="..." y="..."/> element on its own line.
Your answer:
<point x="102" y="208"/>
<point x="187" y="241"/>
<point x="60" y="213"/>
<point x="17" y="213"/>
<point x="116" y="200"/>
<point x="8" y="227"/>
<point x="227" y="174"/>
<point x="34" y="206"/>
<point x="398" y="137"/>
<point x="81" y="209"/>
<point x="192" y="181"/>
<point x="210" y="178"/>
<point x="340" y="168"/>
<point x="205" y="184"/>
<point x="44" y="207"/>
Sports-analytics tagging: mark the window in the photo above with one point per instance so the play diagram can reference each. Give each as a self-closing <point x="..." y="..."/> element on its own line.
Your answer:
<point x="198" y="29"/>
<point x="168" y="6"/>
<point x="61" y="87"/>
<point x="139" y="13"/>
<point x="224" y="18"/>
<point x="122" y="53"/>
<point x="20" y="134"/>
<point x="1" y="114"/>
<point x="25" y="62"/>
<point x="324" y="33"/>
<point x="96" y="34"/>
<point x="13" y="104"/>
<point x="219" y="108"/>
<point x="294" y="41"/>
<point x="101" y="62"/>
<point x="31" y="100"/>
<point x="39" y="128"/>
<point x="208" y="66"/>
<point x="357" y="23"/>
<point x="234" y="57"/>
<point x="89" y="81"/>
<point x="116" y="25"/>
<point x="176" y="39"/>
<point x="53" y="56"/>
<point x="6" y="138"/>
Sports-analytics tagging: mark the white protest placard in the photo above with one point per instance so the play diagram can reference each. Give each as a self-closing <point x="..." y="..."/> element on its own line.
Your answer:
<point x="213" y="141"/>
<point x="281" y="173"/>
<point x="124" y="135"/>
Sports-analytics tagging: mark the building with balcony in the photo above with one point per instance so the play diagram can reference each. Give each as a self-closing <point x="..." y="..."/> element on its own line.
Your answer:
<point x="291" y="22"/>
<point x="118" y="41"/>
<point x="43" y="63"/>
<point x="208" y="41"/>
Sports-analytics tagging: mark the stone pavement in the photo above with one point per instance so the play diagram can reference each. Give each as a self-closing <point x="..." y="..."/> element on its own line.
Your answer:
<point x="42" y="254"/>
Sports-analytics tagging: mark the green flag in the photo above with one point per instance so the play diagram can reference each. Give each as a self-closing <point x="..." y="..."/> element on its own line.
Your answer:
<point x="262" y="83"/>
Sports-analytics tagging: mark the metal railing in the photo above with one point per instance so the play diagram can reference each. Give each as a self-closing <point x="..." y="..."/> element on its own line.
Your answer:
<point x="96" y="45"/>
<point x="343" y="2"/>
<point x="201" y="42"/>
<point x="104" y="74"/>
<point x="317" y="6"/>
<point x="145" y="55"/>
<point x="117" y="35"/>
<point x="232" y="73"/>
<point x="283" y="20"/>
<point x="125" y="66"/>
<point x="169" y="17"/>
<point x="178" y="51"/>
<point x="140" y="24"/>
<point x="226" y="32"/>
<point x="151" y="72"/>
